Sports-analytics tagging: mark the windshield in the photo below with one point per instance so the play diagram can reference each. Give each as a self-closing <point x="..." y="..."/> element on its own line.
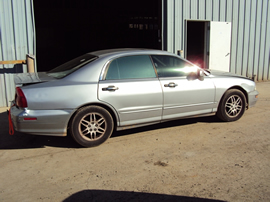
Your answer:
<point x="71" y="66"/>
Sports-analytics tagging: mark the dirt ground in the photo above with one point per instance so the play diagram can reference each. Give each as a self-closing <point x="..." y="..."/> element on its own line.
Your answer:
<point x="199" y="159"/>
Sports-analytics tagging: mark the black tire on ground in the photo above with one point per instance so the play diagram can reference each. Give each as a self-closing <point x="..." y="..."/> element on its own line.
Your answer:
<point x="232" y="106"/>
<point x="91" y="126"/>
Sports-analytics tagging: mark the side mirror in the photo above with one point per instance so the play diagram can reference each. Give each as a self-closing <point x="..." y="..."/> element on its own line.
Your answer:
<point x="200" y="74"/>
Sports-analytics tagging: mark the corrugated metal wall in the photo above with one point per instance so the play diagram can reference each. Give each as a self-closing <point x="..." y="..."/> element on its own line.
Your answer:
<point x="250" y="37"/>
<point x="17" y="38"/>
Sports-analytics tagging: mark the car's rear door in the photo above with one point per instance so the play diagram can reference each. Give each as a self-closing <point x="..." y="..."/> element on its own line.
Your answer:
<point x="131" y="87"/>
<point x="184" y="93"/>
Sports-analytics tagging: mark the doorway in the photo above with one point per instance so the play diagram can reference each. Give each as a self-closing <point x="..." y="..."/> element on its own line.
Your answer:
<point x="209" y="44"/>
<point x="197" y="47"/>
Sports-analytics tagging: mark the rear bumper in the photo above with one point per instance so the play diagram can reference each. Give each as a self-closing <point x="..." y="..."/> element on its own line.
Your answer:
<point x="48" y="122"/>
<point x="252" y="98"/>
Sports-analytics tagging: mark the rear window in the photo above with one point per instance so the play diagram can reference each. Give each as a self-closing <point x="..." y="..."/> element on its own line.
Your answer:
<point x="71" y="66"/>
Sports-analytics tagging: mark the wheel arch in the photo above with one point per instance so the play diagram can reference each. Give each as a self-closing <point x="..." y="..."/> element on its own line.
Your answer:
<point x="236" y="88"/>
<point x="109" y="109"/>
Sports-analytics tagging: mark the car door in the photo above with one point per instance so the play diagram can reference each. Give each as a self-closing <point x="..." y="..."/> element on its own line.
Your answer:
<point x="184" y="93"/>
<point x="131" y="87"/>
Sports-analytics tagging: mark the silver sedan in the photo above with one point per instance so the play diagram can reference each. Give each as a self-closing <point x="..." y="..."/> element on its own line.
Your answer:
<point x="102" y="91"/>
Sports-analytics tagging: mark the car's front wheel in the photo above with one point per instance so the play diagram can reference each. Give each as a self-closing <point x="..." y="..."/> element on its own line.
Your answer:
<point x="91" y="126"/>
<point x="232" y="105"/>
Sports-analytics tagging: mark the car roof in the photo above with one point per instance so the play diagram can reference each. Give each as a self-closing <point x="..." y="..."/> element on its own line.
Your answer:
<point x="123" y="51"/>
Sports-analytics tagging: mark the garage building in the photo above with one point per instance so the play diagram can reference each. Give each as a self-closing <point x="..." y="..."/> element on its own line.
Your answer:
<point x="229" y="35"/>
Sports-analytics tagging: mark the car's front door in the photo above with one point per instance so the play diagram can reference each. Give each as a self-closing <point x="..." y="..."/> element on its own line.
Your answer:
<point x="132" y="88"/>
<point x="184" y="93"/>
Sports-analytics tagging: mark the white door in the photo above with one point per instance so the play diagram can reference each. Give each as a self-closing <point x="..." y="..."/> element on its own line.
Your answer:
<point x="220" y="46"/>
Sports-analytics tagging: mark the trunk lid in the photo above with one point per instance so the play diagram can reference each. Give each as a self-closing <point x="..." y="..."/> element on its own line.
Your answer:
<point x="31" y="78"/>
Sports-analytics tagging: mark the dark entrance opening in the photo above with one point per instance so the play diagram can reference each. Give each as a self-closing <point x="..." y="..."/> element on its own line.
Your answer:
<point x="66" y="29"/>
<point x="197" y="43"/>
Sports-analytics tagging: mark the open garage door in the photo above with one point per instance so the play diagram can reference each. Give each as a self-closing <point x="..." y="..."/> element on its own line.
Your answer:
<point x="66" y="29"/>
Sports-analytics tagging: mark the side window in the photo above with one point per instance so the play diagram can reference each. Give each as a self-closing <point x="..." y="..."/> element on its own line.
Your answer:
<point x="131" y="67"/>
<point x="169" y="66"/>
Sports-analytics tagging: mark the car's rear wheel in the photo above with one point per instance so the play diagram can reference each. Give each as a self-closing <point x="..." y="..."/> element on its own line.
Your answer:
<point x="232" y="105"/>
<point x="91" y="126"/>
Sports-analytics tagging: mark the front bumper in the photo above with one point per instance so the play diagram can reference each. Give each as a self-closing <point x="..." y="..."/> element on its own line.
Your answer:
<point x="48" y="122"/>
<point x="252" y="98"/>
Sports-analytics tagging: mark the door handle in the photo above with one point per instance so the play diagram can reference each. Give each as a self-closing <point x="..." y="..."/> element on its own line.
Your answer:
<point x="171" y="84"/>
<point x="110" y="88"/>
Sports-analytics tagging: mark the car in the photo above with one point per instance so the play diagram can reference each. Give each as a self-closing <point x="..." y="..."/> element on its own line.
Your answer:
<point x="100" y="92"/>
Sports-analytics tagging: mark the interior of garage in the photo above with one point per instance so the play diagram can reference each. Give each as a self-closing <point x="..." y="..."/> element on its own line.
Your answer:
<point x="66" y="29"/>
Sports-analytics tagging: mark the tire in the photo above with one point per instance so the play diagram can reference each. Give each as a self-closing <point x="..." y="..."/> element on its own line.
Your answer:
<point x="232" y="106"/>
<point x="91" y="126"/>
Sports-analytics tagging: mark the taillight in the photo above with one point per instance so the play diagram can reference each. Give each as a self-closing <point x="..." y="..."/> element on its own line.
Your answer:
<point x="20" y="98"/>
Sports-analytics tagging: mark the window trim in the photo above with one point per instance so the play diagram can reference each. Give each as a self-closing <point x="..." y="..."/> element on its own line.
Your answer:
<point x="107" y="64"/>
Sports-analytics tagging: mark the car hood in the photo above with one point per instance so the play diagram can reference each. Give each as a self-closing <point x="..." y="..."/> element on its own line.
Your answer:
<point x="226" y="74"/>
<point x="31" y="78"/>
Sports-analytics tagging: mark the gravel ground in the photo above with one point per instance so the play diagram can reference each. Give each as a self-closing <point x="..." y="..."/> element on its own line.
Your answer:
<point x="198" y="159"/>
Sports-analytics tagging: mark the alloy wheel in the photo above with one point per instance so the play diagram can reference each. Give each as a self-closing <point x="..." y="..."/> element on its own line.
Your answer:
<point x="233" y="106"/>
<point x="92" y="126"/>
